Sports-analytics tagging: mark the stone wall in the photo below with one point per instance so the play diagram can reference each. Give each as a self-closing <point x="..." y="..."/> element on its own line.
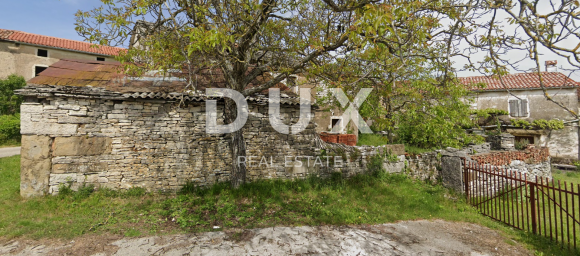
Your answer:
<point x="88" y="136"/>
<point x="154" y="144"/>
<point x="85" y="135"/>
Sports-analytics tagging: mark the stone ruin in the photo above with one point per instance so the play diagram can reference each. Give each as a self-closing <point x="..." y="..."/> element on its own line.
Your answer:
<point x="74" y="135"/>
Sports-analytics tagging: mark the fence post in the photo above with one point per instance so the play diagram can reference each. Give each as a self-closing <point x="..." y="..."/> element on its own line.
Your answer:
<point x="465" y="180"/>
<point x="533" y="202"/>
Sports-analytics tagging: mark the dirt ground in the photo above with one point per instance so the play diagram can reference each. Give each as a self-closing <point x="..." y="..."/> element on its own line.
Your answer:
<point x="403" y="238"/>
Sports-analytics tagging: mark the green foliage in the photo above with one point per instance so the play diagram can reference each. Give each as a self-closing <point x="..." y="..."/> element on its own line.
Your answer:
<point x="376" y="163"/>
<point x="10" y="103"/>
<point x="553" y="124"/>
<point x="521" y="123"/>
<point x="354" y="154"/>
<point x="392" y="157"/>
<point x="521" y="144"/>
<point x="438" y="121"/>
<point x="545" y="124"/>
<point x="488" y="112"/>
<point x="414" y="150"/>
<point x="577" y="164"/>
<point x="10" y="129"/>
<point x="371" y="140"/>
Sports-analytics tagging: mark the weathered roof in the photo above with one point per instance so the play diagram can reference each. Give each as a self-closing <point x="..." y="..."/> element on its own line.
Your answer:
<point x="521" y="81"/>
<point x="109" y="75"/>
<point x="49" y="41"/>
<point x="46" y="91"/>
<point x="105" y="79"/>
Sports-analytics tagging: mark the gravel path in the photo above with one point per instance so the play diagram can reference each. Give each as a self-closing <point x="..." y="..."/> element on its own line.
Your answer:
<point x="402" y="238"/>
<point x="6" y="152"/>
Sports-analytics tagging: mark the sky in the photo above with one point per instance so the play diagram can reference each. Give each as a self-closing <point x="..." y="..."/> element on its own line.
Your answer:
<point x="45" y="17"/>
<point x="56" y="18"/>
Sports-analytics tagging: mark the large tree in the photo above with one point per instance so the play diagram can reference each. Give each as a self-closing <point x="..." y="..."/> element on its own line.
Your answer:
<point x="407" y="59"/>
<point x="244" y="40"/>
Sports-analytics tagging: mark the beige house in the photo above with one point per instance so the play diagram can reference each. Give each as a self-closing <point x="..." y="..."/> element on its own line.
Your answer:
<point x="523" y="97"/>
<point x="28" y="54"/>
<point x="326" y="117"/>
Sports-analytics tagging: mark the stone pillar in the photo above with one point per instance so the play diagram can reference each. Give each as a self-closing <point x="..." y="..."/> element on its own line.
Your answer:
<point x="452" y="172"/>
<point x="35" y="165"/>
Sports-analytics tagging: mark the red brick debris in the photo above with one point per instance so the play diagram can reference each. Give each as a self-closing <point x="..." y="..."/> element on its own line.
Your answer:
<point x="347" y="139"/>
<point x="534" y="155"/>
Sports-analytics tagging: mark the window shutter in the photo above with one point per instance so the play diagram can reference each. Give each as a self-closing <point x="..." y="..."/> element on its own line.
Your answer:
<point x="524" y="108"/>
<point x="513" y="105"/>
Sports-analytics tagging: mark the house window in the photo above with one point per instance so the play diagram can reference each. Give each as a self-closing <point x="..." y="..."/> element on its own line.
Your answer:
<point x="336" y="124"/>
<point x="42" y="53"/>
<point x="100" y="59"/>
<point x="38" y="69"/>
<point x="518" y="107"/>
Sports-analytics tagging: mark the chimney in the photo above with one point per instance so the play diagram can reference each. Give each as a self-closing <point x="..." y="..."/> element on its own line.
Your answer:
<point x="551" y="66"/>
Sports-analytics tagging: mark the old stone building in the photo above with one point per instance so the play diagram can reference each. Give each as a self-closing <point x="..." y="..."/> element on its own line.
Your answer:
<point x="27" y="54"/>
<point x="523" y="98"/>
<point x="83" y="122"/>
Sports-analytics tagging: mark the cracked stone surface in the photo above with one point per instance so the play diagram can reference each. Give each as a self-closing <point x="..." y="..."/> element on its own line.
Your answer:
<point x="403" y="238"/>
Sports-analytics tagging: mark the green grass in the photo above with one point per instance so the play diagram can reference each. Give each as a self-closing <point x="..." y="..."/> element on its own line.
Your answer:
<point x="364" y="199"/>
<point x="371" y="140"/>
<point x="568" y="176"/>
<point x="413" y="150"/>
<point x="10" y="143"/>
<point x="379" y="140"/>
<point x="67" y="216"/>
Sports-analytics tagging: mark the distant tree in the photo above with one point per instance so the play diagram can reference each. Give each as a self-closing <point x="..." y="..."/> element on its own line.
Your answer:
<point x="9" y="102"/>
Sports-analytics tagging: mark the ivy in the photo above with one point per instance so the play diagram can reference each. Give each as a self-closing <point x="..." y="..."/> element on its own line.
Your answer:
<point x="540" y="124"/>
<point x="485" y="113"/>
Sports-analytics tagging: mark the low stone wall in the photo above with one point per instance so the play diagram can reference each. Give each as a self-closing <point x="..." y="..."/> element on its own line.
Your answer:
<point x="84" y="135"/>
<point x="531" y="164"/>
<point x="447" y="165"/>
<point x="532" y="155"/>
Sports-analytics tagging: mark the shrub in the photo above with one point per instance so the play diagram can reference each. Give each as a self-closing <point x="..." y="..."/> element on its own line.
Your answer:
<point x="10" y="103"/>
<point x="489" y="112"/>
<point x="9" y="128"/>
<point x="521" y="144"/>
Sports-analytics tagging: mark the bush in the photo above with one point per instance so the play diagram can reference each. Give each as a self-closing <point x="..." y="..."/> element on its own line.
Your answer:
<point x="10" y="103"/>
<point x="10" y="129"/>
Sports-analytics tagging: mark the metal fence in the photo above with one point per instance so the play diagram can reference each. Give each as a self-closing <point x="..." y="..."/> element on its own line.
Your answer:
<point x="536" y="204"/>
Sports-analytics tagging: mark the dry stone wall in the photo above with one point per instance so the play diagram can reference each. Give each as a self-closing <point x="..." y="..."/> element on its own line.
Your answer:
<point x="87" y="136"/>
<point x="82" y="135"/>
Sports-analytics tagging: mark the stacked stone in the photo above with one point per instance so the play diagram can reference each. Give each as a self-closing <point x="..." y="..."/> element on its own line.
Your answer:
<point x="88" y="135"/>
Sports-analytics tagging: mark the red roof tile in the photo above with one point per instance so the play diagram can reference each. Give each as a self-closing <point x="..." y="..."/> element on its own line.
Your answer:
<point x="521" y="81"/>
<point x="67" y="44"/>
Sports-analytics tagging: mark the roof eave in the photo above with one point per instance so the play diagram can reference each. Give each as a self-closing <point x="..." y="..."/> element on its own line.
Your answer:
<point x="526" y="89"/>
<point x="57" y="48"/>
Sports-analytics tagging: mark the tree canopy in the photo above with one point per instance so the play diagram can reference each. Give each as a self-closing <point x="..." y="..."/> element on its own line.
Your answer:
<point x="404" y="49"/>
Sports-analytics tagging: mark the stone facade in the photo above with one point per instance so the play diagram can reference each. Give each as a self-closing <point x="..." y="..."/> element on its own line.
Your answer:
<point x="85" y="135"/>
<point x="562" y="143"/>
<point x="20" y="59"/>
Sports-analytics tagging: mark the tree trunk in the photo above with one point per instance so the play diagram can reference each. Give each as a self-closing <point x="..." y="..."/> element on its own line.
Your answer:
<point x="237" y="145"/>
